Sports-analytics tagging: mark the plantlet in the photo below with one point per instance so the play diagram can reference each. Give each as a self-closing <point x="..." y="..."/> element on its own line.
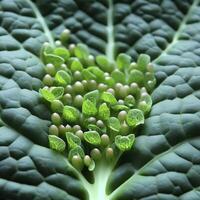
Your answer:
<point x="106" y="100"/>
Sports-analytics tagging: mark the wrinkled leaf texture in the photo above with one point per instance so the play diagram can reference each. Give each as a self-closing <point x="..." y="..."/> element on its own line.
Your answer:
<point x="165" y="163"/>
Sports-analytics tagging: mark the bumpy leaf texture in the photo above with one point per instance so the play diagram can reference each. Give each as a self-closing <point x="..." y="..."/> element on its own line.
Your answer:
<point x="165" y="163"/>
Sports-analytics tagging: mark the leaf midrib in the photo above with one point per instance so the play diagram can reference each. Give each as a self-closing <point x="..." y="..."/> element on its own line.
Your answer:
<point x="42" y="21"/>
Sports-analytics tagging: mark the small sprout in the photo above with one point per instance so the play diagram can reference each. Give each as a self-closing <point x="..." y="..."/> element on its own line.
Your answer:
<point x="119" y="107"/>
<point x="81" y="51"/>
<point x="108" y="98"/>
<point x="93" y="127"/>
<point x="57" y="106"/>
<point x="129" y="100"/>
<point x="77" y="151"/>
<point x="71" y="48"/>
<point x="62" y="52"/>
<point x="55" y="118"/>
<point x="70" y="114"/>
<point x="136" y="76"/>
<point x="76" y="65"/>
<point x="96" y="154"/>
<point x="123" y="61"/>
<point x="48" y="80"/>
<point x="118" y="76"/>
<point x="124" y="143"/>
<point x="143" y="61"/>
<point x="63" y="78"/>
<point x="109" y="153"/>
<point x="122" y="115"/>
<point x="52" y="94"/>
<point x="92" y="137"/>
<point x="56" y="143"/>
<point x="104" y="111"/>
<point x="87" y="160"/>
<point x="104" y="63"/>
<point x="53" y="130"/>
<point x="79" y="134"/>
<point x="78" y="87"/>
<point x="114" y="124"/>
<point x="72" y="140"/>
<point x="77" y="162"/>
<point x="105" y="140"/>
<point x="135" y="117"/>
<point x="50" y="69"/>
<point x="89" y="108"/>
<point x="92" y="96"/>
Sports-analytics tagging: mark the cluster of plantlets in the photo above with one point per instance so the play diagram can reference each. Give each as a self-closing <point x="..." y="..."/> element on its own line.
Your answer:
<point x="96" y="104"/>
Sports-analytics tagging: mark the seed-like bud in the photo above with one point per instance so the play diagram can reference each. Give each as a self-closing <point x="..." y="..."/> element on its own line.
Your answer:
<point x="67" y="99"/>
<point x="85" y="83"/>
<point x="68" y="128"/>
<point x="106" y="74"/>
<point x="105" y="140"/>
<point x="71" y="48"/>
<point x="150" y="67"/>
<point x="92" y="120"/>
<point x="57" y="106"/>
<point x="55" y="118"/>
<point x="62" y="130"/>
<point x="121" y="102"/>
<point x="100" y="123"/>
<point x="90" y="60"/>
<point x="125" y="129"/>
<point x="58" y="43"/>
<point x="63" y="67"/>
<point x="112" y="91"/>
<point x="64" y="37"/>
<point x="123" y="92"/>
<point x="95" y="154"/>
<point x="109" y="153"/>
<point x="133" y="88"/>
<point x="118" y="86"/>
<point x="48" y="80"/>
<point x="132" y="66"/>
<point x="53" y="130"/>
<point x="68" y="89"/>
<point x="102" y="87"/>
<point x="77" y="162"/>
<point x="143" y="90"/>
<point x="77" y="75"/>
<point x="76" y="128"/>
<point x="87" y="160"/>
<point x="50" y="69"/>
<point x="79" y="133"/>
<point x="78" y="100"/>
<point x="92" y="85"/>
<point x="122" y="115"/>
<point x="78" y="87"/>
